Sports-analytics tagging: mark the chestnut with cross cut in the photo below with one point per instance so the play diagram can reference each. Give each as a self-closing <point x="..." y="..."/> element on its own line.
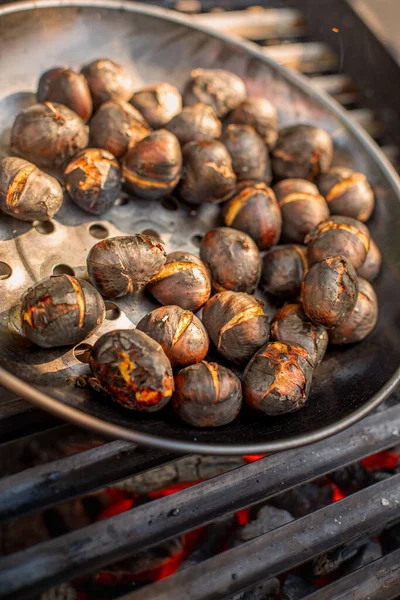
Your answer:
<point x="283" y="270"/>
<point x="249" y="154"/>
<point x="261" y="114"/>
<point x="220" y="89"/>
<point x="372" y="265"/>
<point x="195" y="123"/>
<point x="66" y="87"/>
<point x="361" y="321"/>
<point x="107" y="80"/>
<point x="158" y="103"/>
<point x="347" y="193"/>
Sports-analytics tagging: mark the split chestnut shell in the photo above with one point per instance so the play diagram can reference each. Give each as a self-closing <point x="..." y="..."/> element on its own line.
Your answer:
<point x="361" y="321"/>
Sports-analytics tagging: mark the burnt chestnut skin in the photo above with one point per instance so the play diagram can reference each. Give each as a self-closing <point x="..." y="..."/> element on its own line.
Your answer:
<point x="133" y="369"/>
<point x="277" y="380"/>
<point x="361" y="321"/>
<point x="237" y="325"/>
<point x="107" y="81"/>
<point x="66" y="87"/>
<point x="372" y="265"/>
<point x="347" y="193"/>
<point x="158" y="103"/>
<point x="184" y="280"/>
<point x="124" y="264"/>
<point x="250" y="159"/>
<point x="26" y="192"/>
<point x="283" y="270"/>
<point x="195" y="123"/>
<point x="220" y="89"/>
<point x="61" y="310"/>
<point x="261" y="115"/>
<point x="233" y="259"/>
<point x="179" y="332"/>
<point x="329" y="291"/>
<point x="207" y="395"/>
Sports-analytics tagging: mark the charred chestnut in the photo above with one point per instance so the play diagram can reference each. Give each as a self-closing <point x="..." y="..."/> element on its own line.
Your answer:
<point x="302" y="207"/>
<point x="359" y="323"/>
<point x="372" y="265"/>
<point x="260" y="114"/>
<point x="26" y="192"/>
<point x="61" y="310"/>
<point x="208" y="175"/>
<point x="255" y="211"/>
<point x="93" y="180"/>
<point x="179" y="332"/>
<point x="339" y="236"/>
<point x="237" y="325"/>
<point x="207" y="395"/>
<point x="133" y="369"/>
<point x="152" y="168"/>
<point x="283" y="270"/>
<point x="66" y="87"/>
<point x="291" y="326"/>
<point x="107" y="81"/>
<point x="250" y="159"/>
<point x="218" y="88"/>
<point x="124" y="264"/>
<point x="158" y="103"/>
<point x="233" y="259"/>
<point x="301" y="152"/>
<point x="117" y="126"/>
<point x="277" y="380"/>
<point x="329" y="291"/>
<point x="347" y="193"/>
<point x="48" y="134"/>
<point x="183" y="280"/>
<point x="195" y="123"/>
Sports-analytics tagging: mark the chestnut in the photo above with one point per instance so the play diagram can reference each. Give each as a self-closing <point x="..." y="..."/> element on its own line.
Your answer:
<point x="283" y="270"/>
<point x="361" y="321"/>
<point x="237" y="325"/>
<point x="260" y="114"/>
<point x="255" y="211"/>
<point x="183" y="280"/>
<point x="249" y="154"/>
<point x="372" y="265"/>
<point x="233" y="259"/>
<point x="218" y="88"/>
<point x="124" y="264"/>
<point x="302" y="207"/>
<point x="61" y="310"/>
<point x="116" y="127"/>
<point x="208" y="175"/>
<point x="291" y="326"/>
<point x="158" y="103"/>
<point x="347" y="193"/>
<point x="195" y="123"/>
<point x="48" y="134"/>
<point x="277" y="380"/>
<point x="66" y="87"/>
<point x="152" y="168"/>
<point x="179" y="332"/>
<point x="339" y="236"/>
<point x="93" y="180"/>
<point x="301" y="152"/>
<point x="107" y="81"/>
<point x="26" y="192"/>
<point x="133" y="369"/>
<point x="207" y="395"/>
<point x="329" y="291"/>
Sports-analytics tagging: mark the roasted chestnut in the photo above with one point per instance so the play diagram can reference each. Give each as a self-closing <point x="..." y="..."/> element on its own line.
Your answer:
<point x="291" y="326"/>
<point x="158" y="103"/>
<point x="347" y="193"/>
<point x="339" y="236"/>
<point x="255" y="211"/>
<point x="359" y="323"/>
<point x="208" y="175"/>
<point x="218" y="88"/>
<point x="283" y="270"/>
<point x="66" y="87"/>
<point x="93" y="180"/>
<point x="48" y="134"/>
<point x="372" y="265"/>
<point x="301" y="152"/>
<point x="117" y="126"/>
<point x="124" y="264"/>
<point x="61" y="310"/>
<point x="195" y="123"/>
<point x="329" y="291"/>
<point x="250" y="159"/>
<point x="207" y="395"/>
<point x="277" y="380"/>
<point x="152" y="168"/>
<point x="179" y="332"/>
<point x="233" y="259"/>
<point x="183" y="280"/>
<point x="107" y="81"/>
<point x="26" y="192"/>
<point x="237" y="325"/>
<point x="261" y="115"/>
<point x="133" y="369"/>
<point x="302" y="208"/>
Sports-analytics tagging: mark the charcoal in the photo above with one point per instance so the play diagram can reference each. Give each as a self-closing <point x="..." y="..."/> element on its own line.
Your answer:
<point x="366" y="554"/>
<point x="333" y="559"/>
<point x="295" y="588"/>
<point x="148" y="559"/>
<point x="304" y="499"/>
<point x="266" y="590"/>
<point x="21" y="533"/>
<point x="267" y="519"/>
<point x="211" y="541"/>
<point x="390" y="538"/>
<point x="352" y="478"/>
<point x="65" y="591"/>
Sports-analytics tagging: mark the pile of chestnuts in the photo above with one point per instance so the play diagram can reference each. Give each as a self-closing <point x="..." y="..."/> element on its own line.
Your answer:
<point x="292" y="228"/>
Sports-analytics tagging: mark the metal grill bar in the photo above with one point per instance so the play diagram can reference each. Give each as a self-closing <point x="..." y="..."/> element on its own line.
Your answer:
<point x="310" y="57"/>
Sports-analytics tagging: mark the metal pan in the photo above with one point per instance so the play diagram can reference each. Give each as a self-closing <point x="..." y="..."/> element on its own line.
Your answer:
<point x="158" y="45"/>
